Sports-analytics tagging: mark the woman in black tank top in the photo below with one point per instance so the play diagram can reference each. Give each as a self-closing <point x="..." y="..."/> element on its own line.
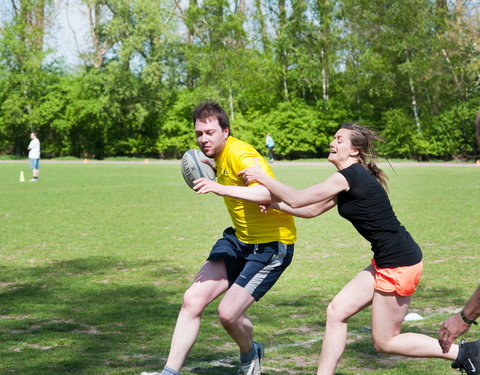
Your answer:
<point x="358" y="189"/>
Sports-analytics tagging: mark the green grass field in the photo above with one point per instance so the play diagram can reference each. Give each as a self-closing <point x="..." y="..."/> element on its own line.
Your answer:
<point x="95" y="258"/>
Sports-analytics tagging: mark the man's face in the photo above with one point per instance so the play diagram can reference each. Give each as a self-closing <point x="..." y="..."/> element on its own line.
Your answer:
<point x="32" y="136"/>
<point x="210" y="137"/>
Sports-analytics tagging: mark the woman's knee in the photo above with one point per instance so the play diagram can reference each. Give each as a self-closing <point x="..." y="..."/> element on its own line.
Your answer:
<point x="336" y="314"/>
<point x="382" y="345"/>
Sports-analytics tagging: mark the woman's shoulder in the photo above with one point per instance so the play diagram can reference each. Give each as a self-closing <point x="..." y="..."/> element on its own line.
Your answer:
<point x="352" y="169"/>
<point x="357" y="174"/>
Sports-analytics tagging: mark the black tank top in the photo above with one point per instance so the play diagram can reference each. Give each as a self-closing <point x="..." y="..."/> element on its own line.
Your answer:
<point x="367" y="207"/>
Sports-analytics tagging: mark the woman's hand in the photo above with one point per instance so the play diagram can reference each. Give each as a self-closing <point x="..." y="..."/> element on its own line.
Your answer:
<point x="252" y="174"/>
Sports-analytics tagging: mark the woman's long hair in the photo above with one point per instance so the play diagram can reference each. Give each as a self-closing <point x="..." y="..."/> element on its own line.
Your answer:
<point x="363" y="139"/>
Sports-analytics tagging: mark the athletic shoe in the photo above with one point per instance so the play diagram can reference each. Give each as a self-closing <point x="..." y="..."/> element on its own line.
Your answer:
<point x="150" y="373"/>
<point x="253" y="368"/>
<point x="33" y="180"/>
<point x="468" y="359"/>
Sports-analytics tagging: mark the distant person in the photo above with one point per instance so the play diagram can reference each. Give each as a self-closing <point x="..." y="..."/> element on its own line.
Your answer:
<point x="460" y="323"/>
<point x="388" y="283"/>
<point x="34" y="155"/>
<point x="270" y="145"/>
<point x="247" y="261"/>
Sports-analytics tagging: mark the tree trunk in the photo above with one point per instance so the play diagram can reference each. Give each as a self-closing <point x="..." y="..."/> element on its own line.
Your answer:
<point x="31" y="15"/>
<point x="324" y="9"/>
<point x="191" y="32"/>
<point x="325" y="83"/>
<point x="455" y="78"/>
<point x="442" y="5"/>
<point x="285" y="84"/>
<point x="414" y="106"/>
<point x="38" y="26"/>
<point x="100" y="47"/>
<point x="263" y="28"/>
<point x="282" y="20"/>
<point x="230" y="102"/>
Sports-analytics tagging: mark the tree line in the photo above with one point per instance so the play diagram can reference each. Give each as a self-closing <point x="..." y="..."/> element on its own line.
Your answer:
<point x="295" y="68"/>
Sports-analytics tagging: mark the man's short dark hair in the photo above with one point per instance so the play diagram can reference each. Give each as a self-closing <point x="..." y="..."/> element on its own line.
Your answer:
<point x="206" y="110"/>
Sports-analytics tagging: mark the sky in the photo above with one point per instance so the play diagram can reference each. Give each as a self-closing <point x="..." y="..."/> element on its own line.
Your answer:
<point x="69" y="32"/>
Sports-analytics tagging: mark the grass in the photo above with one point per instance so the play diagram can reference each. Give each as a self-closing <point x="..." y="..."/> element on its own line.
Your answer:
<point x="94" y="260"/>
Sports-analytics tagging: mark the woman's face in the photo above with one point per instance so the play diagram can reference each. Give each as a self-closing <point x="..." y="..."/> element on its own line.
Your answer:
<point x="341" y="149"/>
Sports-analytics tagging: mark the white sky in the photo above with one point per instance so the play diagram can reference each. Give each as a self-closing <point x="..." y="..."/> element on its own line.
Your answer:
<point x="67" y="29"/>
<point x="68" y="34"/>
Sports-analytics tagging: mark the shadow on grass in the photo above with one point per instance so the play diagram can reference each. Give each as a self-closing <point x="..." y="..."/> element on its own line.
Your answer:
<point x="449" y="296"/>
<point x="78" y="316"/>
<point x="101" y="315"/>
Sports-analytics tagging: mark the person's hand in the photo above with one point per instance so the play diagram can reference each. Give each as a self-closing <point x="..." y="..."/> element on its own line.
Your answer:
<point x="452" y="327"/>
<point x="211" y="163"/>
<point x="252" y="174"/>
<point x="204" y="185"/>
<point x="264" y="207"/>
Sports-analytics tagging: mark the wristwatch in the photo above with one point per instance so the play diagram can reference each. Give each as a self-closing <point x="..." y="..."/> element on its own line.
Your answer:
<point x="466" y="320"/>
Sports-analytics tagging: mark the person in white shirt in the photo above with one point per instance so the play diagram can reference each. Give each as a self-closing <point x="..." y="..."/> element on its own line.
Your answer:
<point x="34" y="155"/>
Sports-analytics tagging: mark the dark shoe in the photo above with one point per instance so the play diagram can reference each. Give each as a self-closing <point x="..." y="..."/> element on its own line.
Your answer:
<point x="468" y="359"/>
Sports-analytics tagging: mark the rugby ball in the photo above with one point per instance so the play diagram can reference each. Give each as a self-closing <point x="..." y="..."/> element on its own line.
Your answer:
<point x="193" y="167"/>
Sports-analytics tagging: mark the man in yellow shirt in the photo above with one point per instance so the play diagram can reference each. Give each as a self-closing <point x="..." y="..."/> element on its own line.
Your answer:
<point x="250" y="257"/>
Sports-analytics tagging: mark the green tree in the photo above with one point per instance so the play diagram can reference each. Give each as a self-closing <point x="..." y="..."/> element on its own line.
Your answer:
<point x="24" y="79"/>
<point x="390" y="48"/>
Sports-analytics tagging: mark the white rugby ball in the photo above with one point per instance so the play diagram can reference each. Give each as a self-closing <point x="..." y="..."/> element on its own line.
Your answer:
<point x="193" y="167"/>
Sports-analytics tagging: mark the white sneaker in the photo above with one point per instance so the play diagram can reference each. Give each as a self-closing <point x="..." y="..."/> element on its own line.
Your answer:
<point x="150" y="373"/>
<point x="254" y="368"/>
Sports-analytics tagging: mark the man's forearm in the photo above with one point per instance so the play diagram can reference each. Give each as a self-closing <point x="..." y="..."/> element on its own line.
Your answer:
<point x="472" y="307"/>
<point x="256" y="193"/>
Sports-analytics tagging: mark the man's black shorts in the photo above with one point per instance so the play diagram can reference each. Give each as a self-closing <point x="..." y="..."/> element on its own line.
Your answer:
<point x="255" y="267"/>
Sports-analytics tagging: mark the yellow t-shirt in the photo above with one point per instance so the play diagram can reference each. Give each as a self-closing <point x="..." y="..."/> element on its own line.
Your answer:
<point x="251" y="225"/>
